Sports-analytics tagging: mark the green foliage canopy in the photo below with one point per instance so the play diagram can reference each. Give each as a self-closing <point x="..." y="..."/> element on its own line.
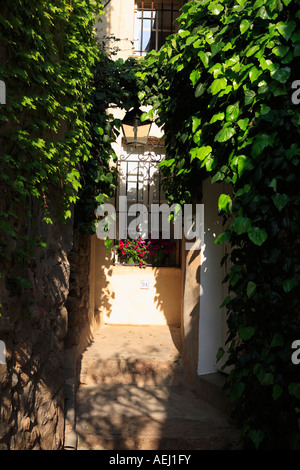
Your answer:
<point x="222" y="88"/>
<point x="49" y="55"/>
<point x="55" y="132"/>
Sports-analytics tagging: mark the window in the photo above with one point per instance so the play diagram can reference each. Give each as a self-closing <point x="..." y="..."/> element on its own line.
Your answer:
<point x="154" y="22"/>
<point x="140" y="181"/>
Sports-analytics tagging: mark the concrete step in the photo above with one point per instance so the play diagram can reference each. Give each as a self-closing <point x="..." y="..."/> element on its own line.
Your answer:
<point x="123" y="371"/>
<point x="133" y="354"/>
<point x="129" y="417"/>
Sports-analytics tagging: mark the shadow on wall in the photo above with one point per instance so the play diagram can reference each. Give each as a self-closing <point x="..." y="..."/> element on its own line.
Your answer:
<point x="115" y="28"/>
<point x="168" y="294"/>
<point x="33" y="328"/>
<point x="133" y="295"/>
<point x="103" y="274"/>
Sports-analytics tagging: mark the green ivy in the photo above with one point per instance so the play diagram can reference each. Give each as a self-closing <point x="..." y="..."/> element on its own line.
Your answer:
<point x="56" y="131"/>
<point x="222" y="89"/>
<point x="49" y="56"/>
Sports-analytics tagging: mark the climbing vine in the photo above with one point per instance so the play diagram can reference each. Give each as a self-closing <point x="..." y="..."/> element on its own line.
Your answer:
<point x="47" y="66"/>
<point x="49" y="54"/>
<point x="56" y="130"/>
<point x="221" y="88"/>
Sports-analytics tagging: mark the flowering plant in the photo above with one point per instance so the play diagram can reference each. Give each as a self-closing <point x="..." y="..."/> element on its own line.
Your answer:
<point x="134" y="251"/>
<point x="159" y="249"/>
<point x="141" y="252"/>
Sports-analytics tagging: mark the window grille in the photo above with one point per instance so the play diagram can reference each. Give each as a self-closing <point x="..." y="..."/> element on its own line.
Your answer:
<point x="154" y="22"/>
<point x="140" y="181"/>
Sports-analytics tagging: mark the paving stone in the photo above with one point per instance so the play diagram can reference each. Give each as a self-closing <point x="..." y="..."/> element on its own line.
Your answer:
<point x="134" y="402"/>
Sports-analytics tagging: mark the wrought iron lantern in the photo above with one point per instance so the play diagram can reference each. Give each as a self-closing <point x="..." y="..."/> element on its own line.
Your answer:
<point x="135" y="131"/>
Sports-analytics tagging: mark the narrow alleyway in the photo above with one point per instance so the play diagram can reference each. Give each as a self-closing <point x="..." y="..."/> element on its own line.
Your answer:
<point x="130" y="396"/>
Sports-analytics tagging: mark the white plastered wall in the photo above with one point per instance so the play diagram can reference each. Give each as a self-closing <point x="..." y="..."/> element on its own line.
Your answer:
<point x="211" y="321"/>
<point x="118" y="23"/>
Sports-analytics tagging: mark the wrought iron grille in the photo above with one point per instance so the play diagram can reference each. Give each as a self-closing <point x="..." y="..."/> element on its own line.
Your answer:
<point x="154" y="22"/>
<point x="140" y="181"/>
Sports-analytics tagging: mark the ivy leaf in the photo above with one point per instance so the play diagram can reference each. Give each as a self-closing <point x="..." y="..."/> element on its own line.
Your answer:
<point x="280" y="51"/>
<point x="218" y="85"/>
<point x="167" y="163"/>
<point x="289" y="284"/>
<point x="244" y="26"/>
<point x="257" y="236"/>
<point x="294" y="389"/>
<point x="277" y="341"/>
<point x="281" y="75"/>
<point x="225" y="134"/>
<point x="215" y="8"/>
<point x="200" y="153"/>
<point x="107" y="243"/>
<point x="217" y="117"/>
<point x="243" y="123"/>
<point x="277" y="392"/>
<point x="256" y="436"/>
<point x="200" y="90"/>
<point x="263" y="14"/>
<point x="236" y="391"/>
<point x="273" y="184"/>
<point x="251" y="288"/>
<point x="226" y="301"/>
<point x="254" y="74"/>
<point x="220" y="354"/>
<point x="67" y="214"/>
<point x="223" y="237"/>
<point x="225" y="203"/>
<point x="241" y="225"/>
<point x="196" y="123"/>
<point x="286" y="29"/>
<point x="194" y="76"/>
<point x="258" y="4"/>
<point x="261" y="142"/>
<point x="244" y="163"/>
<point x="232" y="112"/>
<point x="219" y="176"/>
<point x="235" y="275"/>
<point x="246" y="332"/>
<point x="249" y="96"/>
<point x="280" y="200"/>
<point x="204" y="57"/>
<point x="268" y="379"/>
<point x="252" y="51"/>
<point x="265" y="378"/>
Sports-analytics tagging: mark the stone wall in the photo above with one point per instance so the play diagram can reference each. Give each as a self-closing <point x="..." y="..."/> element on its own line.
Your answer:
<point x="80" y="303"/>
<point x="34" y="326"/>
<point x="39" y="324"/>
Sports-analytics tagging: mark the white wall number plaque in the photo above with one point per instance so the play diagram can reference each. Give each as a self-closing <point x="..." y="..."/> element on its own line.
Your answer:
<point x="144" y="285"/>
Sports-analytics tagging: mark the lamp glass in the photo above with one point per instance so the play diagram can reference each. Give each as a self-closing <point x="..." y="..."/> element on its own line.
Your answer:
<point x="135" y="131"/>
